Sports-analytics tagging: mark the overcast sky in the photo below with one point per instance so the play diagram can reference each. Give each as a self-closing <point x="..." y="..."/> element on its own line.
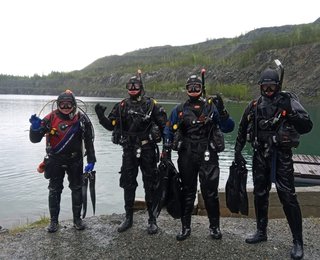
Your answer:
<point x="41" y="36"/>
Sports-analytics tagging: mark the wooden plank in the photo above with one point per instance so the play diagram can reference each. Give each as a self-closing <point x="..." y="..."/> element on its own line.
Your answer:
<point x="306" y="168"/>
<point x="306" y="159"/>
<point x="310" y="170"/>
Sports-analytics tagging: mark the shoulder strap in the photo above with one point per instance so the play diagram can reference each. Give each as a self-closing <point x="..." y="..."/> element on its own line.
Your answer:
<point x="122" y="103"/>
<point x="51" y="116"/>
<point x="254" y="105"/>
<point x="153" y="102"/>
<point x="180" y="110"/>
<point x="210" y="104"/>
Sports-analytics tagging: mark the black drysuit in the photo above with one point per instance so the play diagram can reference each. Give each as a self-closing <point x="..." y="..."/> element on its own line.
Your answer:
<point x="199" y="123"/>
<point x="137" y="126"/>
<point x="273" y="132"/>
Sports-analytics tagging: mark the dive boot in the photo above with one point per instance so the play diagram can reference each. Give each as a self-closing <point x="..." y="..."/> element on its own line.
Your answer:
<point x="184" y="234"/>
<point x="259" y="236"/>
<point x="186" y="230"/>
<point x="78" y="224"/>
<point x="53" y="226"/>
<point x="215" y="233"/>
<point x="297" y="249"/>
<point x="129" y="195"/>
<point x="126" y="224"/>
<point x="214" y="228"/>
<point x="76" y="197"/>
<point x="152" y="227"/>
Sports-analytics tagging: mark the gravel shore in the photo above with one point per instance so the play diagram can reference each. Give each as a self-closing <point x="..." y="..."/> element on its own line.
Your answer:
<point x="102" y="241"/>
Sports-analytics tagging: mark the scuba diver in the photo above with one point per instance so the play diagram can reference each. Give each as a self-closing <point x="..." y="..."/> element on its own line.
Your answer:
<point x="272" y="124"/>
<point x="137" y="123"/>
<point x="195" y="130"/>
<point x="65" y="129"/>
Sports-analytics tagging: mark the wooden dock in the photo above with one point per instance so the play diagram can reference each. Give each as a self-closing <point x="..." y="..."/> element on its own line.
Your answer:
<point x="306" y="169"/>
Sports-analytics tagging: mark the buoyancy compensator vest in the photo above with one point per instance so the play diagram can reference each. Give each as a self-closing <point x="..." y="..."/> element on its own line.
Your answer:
<point x="135" y="121"/>
<point x="269" y="125"/>
<point x="195" y="124"/>
<point x="61" y="132"/>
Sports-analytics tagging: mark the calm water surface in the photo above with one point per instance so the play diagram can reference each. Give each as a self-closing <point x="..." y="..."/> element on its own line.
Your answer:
<point x="23" y="191"/>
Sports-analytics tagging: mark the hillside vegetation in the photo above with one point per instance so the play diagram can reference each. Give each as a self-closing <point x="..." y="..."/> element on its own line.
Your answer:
<point x="233" y="66"/>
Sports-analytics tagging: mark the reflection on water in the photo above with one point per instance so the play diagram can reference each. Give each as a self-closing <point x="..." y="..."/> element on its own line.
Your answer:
<point x="24" y="192"/>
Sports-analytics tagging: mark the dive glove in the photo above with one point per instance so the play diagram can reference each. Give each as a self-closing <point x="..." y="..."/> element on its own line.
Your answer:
<point x="89" y="167"/>
<point x="285" y="102"/>
<point x="100" y="110"/>
<point x="35" y="122"/>
<point x="217" y="99"/>
<point x="239" y="159"/>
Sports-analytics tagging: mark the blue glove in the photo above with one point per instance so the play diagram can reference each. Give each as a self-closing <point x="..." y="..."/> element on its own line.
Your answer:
<point x="89" y="167"/>
<point x="35" y="122"/>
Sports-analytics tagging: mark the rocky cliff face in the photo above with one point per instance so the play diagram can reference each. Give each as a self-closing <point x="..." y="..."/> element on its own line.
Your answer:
<point x="301" y="64"/>
<point x="302" y="72"/>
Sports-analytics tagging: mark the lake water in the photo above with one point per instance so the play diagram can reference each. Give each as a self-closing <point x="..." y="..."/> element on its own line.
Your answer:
<point x="23" y="191"/>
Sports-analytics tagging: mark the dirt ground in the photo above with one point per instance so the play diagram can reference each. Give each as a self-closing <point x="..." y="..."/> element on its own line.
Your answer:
<point x="100" y="240"/>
